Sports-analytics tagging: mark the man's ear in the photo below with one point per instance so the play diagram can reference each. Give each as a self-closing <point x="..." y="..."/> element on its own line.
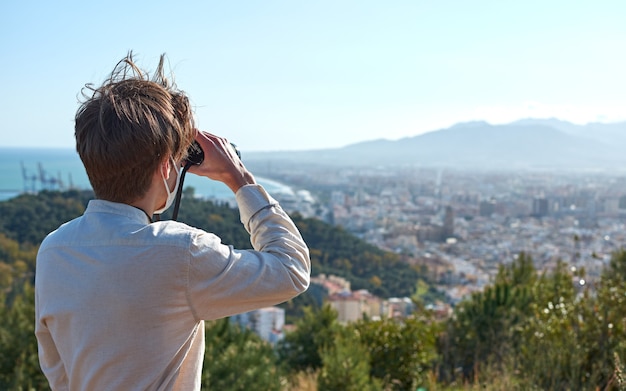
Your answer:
<point x="164" y="169"/>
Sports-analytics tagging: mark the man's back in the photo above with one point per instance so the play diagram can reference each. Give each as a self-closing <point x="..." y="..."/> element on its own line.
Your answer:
<point x="117" y="299"/>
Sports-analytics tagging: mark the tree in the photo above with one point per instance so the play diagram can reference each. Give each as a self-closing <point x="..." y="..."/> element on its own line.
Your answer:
<point x="610" y="316"/>
<point x="346" y="365"/>
<point x="551" y="356"/>
<point x="542" y="328"/>
<point x="401" y="353"/>
<point x="485" y="328"/>
<point x="301" y="350"/>
<point x="28" y="218"/>
<point x="237" y="359"/>
<point x="19" y="363"/>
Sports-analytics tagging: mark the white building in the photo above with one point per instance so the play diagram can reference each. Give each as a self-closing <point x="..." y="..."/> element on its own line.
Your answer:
<point x="266" y="322"/>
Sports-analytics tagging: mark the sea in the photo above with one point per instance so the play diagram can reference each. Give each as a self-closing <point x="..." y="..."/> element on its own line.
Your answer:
<point x="29" y="170"/>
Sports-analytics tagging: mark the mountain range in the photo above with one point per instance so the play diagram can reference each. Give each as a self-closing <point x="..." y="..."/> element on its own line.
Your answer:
<point x="524" y="144"/>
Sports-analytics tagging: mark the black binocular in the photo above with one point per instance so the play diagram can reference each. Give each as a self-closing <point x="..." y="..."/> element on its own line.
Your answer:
<point x="195" y="154"/>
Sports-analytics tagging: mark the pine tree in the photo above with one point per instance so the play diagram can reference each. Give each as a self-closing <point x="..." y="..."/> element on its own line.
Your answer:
<point x="237" y="359"/>
<point x="315" y="331"/>
<point x="401" y="352"/>
<point x="346" y="365"/>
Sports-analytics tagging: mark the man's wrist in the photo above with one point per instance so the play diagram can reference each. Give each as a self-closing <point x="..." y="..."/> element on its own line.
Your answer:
<point x="238" y="183"/>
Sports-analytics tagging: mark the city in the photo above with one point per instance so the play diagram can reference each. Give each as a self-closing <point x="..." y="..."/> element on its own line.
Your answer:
<point x="459" y="226"/>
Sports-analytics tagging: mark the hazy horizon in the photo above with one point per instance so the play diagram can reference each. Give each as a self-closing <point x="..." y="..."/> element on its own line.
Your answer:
<point x="305" y="149"/>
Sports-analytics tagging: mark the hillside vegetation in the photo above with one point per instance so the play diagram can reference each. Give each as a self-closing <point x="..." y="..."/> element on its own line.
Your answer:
<point x="528" y="330"/>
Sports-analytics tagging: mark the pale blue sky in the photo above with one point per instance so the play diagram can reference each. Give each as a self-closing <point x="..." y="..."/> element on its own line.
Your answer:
<point x="292" y="75"/>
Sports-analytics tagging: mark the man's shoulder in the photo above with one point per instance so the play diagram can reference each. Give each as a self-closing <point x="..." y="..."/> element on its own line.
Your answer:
<point x="67" y="229"/>
<point x="170" y="231"/>
<point x="174" y="229"/>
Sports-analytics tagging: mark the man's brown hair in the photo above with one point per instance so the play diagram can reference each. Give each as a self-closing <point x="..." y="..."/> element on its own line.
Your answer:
<point x="128" y="126"/>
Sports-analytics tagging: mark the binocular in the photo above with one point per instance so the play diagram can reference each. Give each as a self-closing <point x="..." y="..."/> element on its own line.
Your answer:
<point x="195" y="154"/>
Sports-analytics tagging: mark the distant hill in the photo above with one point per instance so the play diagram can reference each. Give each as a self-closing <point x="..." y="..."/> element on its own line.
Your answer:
<point x="525" y="144"/>
<point x="612" y="133"/>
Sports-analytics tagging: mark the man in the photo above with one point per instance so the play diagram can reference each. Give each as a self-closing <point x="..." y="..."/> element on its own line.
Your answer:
<point x="121" y="300"/>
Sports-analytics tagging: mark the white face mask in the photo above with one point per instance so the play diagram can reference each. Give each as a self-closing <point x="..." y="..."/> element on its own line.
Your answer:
<point x="171" y="195"/>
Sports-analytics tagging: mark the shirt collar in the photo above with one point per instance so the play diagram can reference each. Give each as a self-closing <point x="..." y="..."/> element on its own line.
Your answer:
<point x="103" y="206"/>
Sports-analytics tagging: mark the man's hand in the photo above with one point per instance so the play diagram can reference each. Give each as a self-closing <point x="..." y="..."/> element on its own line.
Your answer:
<point x="221" y="163"/>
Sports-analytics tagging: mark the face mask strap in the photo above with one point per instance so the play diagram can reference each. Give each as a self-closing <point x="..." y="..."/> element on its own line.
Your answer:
<point x="179" y="190"/>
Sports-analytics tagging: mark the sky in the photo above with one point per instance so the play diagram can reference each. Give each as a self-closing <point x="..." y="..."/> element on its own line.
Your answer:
<point x="300" y="75"/>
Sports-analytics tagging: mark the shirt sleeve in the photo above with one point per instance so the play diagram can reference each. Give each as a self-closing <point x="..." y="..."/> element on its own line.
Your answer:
<point x="49" y="359"/>
<point x="224" y="281"/>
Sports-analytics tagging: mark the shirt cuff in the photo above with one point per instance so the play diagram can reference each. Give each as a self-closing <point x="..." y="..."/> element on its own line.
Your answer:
<point x="251" y="199"/>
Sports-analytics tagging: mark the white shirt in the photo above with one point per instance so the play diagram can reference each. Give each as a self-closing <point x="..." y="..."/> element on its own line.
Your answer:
<point x="120" y="301"/>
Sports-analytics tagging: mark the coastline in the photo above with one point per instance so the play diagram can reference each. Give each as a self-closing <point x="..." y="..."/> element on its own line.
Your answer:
<point x="207" y="189"/>
<point x="30" y="170"/>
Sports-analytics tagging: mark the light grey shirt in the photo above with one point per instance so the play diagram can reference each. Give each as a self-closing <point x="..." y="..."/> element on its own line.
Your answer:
<point x="120" y="301"/>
